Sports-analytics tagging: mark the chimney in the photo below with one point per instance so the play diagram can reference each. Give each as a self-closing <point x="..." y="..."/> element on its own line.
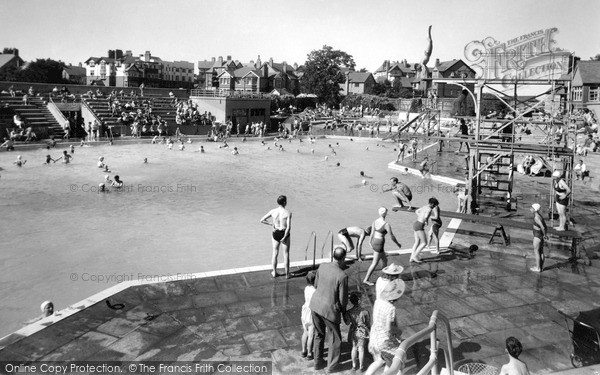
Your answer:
<point x="16" y="52"/>
<point x="347" y="82"/>
<point x="437" y="62"/>
<point x="271" y="61"/>
<point x="220" y="60"/>
<point x="228" y="57"/>
<point x="258" y="62"/>
<point x="147" y="56"/>
<point x="128" y="52"/>
<point x="387" y="65"/>
<point x="111" y="54"/>
<point x="119" y="54"/>
<point x="80" y="65"/>
<point x="213" y="59"/>
<point x="265" y="71"/>
<point x="295" y="66"/>
<point x="284" y="67"/>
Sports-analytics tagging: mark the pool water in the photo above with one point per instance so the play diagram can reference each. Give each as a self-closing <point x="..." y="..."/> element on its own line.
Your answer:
<point x="182" y="212"/>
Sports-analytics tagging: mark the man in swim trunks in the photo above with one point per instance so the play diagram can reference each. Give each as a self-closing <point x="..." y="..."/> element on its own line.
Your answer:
<point x="401" y="192"/>
<point x="345" y="236"/>
<point x="282" y="221"/>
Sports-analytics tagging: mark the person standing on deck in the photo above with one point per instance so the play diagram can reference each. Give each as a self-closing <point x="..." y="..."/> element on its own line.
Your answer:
<point x="281" y="222"/>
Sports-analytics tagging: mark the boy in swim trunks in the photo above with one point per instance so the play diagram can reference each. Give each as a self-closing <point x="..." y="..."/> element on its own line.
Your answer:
<point x="423" y="215"/>
<point x="539" y="235"/>
<point x="282" y="221"/>
<point x="345" y="236"/>
<point x="401" y="192"/>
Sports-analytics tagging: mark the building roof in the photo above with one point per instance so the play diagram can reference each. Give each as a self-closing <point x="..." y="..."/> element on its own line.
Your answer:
<point x="445" y="65"/>
<point x="358" y="77"/>
<point x="98" y="59"/>
<point x="6" y="58"/>
<point x="75" y="70"/>
<point x="589" y="71"/>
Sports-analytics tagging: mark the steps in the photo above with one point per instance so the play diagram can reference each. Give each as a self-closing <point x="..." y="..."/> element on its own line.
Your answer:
<point x="35" y="114"/>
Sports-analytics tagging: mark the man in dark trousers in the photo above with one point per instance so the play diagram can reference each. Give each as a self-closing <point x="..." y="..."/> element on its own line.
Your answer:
<point x="328" y="305"/>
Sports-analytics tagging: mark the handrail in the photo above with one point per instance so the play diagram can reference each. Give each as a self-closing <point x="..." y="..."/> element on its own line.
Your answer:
<point x="87" y="106"/>
<point x="325" y="243"/>
<point x="57" y="113"/>
<point x="431" y="365"/>
<point x="313" y="237"/>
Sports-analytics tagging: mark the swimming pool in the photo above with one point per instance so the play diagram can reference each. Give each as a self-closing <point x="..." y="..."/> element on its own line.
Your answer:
<point x="182" y="212"/>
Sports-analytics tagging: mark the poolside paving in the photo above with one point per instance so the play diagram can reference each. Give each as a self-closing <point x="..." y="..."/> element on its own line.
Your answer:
<point x="250" y="316"/>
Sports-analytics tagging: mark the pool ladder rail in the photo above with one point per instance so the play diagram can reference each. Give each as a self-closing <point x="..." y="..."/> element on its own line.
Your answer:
<point x="313" y="239"/>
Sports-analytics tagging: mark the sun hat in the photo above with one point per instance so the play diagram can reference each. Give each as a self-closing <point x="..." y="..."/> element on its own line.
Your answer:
<point x="536" y="206"/>
<point x="556" y="174"/>
<point x="393" y="290"/>
<point x="393" y="269"/>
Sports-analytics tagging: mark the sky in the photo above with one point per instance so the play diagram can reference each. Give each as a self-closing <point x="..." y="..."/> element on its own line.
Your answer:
<point x="371" y="31"/>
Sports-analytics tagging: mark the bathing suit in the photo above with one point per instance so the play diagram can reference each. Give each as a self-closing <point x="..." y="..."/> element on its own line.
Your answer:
<point x="562" y="201"/>
<point x="418" y="226"/>
<point x="436" y="222"/>
<point x="344" y="232"/>
<point x="537" y="231"/>
<point x="278" y="234"/>
<point x="377" y="242"/>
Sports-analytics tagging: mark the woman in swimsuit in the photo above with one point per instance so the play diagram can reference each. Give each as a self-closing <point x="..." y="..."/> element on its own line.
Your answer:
<point x="379" y="229"/>
<point x="66" y="158"/>
<point x="423" y="214"/>
<point x="436" y="224"/>
<point x="562" y="191"/>
<point x="539" y="235"/>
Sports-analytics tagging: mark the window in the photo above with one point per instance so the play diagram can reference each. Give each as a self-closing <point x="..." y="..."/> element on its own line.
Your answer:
<point x="92" y="72"/>
<point x="356" y="84"/>
<point x="577" y="93"/>
<point x="594" y="94"/>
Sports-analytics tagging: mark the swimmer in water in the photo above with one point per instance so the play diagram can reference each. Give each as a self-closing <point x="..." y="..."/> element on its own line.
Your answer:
<point x="181" y="147"/>
<point x="49" y="159"/>
<point x="145" y="160"/>
<point x="189" y="140"/>
<point x="101" y="162"/>
<point x="117" y="183"/>
<point x="225" y="145"/>
<point x="262" y="143"/>
<point x="312" y="150"/>
<point x="155" y="139"/>
<point x="102" y="188"/>
<point x="235" y="151"/>
<point x="72" y="148"/>
<point x="170" y="146"/>
<point x="66" y="158"/>
<point x="19" y="162"/>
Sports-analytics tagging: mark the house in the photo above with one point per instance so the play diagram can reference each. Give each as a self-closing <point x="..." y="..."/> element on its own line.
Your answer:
<point x="209" y="71"/>
<point x="394" y="70"/>
<point x="126" y="70"/>
<point x="358" y="83"/>
<point x="585" y="86"/>
<point x="74" y="74"/>
<point x="10" y="60"/>
<point x="253" y="77"/>
<point x="448" y="69"/>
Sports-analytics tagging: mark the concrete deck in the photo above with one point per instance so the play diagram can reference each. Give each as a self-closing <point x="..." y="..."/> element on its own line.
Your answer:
<point x="250" y="316"/>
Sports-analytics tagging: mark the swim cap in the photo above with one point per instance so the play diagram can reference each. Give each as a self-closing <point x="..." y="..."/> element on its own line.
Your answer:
<point x="556" y="174"/>
<point x="382" y="211"/>
<point x="536" y="207"/>
<point x="44" y="304"/>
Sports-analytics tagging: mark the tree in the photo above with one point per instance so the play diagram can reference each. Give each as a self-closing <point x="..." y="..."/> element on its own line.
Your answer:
<point x="42" y="71"/>
<point x="323" y="74"/>
<point x="595" y="58"/>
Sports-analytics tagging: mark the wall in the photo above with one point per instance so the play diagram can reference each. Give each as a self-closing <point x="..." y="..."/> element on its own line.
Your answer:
<point x="45" y="88"/>
<point x="216" y="106"/>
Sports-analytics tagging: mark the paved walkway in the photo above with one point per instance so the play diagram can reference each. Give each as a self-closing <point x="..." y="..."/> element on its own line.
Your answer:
<point x="250" y="316"/>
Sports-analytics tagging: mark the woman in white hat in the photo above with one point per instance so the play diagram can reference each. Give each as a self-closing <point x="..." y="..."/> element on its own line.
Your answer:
<point x="539" y="235"/>
<point x="383" y="336"/>
<point x="562" y="190"/>
<point x="390" y="273"/>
